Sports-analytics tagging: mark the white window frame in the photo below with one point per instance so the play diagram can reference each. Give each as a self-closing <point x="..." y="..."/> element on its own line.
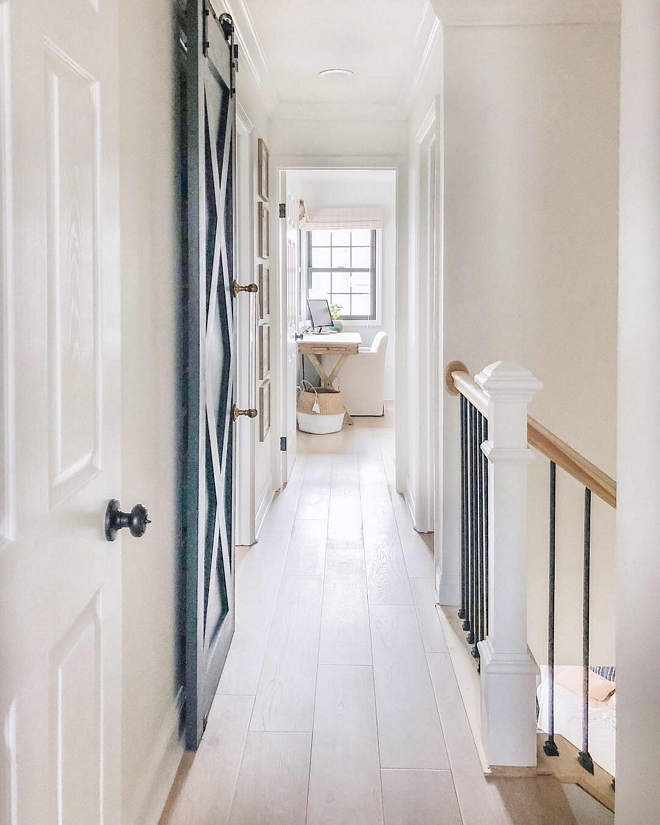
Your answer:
<point x="378" y="278"/>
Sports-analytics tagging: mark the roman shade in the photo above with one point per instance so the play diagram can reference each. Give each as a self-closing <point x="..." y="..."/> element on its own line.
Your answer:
<point x="350" y="217"/>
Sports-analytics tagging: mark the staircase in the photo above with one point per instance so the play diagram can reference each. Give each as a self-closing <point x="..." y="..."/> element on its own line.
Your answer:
<point x="497" y="670"/>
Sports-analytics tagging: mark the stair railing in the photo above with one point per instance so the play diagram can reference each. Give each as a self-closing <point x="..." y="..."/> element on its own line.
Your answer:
<point x="496" y="433"/>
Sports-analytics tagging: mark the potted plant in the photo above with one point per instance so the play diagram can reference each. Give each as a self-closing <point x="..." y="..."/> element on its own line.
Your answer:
<point x="335" y="314"/>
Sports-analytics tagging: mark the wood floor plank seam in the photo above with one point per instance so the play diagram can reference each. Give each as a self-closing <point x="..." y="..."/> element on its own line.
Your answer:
<point x="421" y="636"/>
<point x="272" y="615"/>
<point x="371" y="644"/>
<point x="345" y="782"/>
<point x="301" y="606"/>
<point x="451" y="767"/>
<point x="270" y="624"/>
<point x="371" y="647"/>
<point x="318" y="653"/>
<point x="387" y="574"/>
<point x="392" y="492"/>
<point x="263" y="535"/>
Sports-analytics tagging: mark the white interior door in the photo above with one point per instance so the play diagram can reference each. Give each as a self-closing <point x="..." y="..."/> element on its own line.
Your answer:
<point x="246" y="322"/>
<point x="60" y="580"/>
<point x="426" y="318"/>
<point x="289" y="268"/>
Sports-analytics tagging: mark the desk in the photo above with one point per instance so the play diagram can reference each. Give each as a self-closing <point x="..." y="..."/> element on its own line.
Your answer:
<point x="343" y="344"/>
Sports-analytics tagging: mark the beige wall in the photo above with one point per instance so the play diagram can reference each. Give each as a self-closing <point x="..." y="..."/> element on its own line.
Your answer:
<point x="638" y="559"/>
<point x="148" y="284"/>
<point x="530" y="267"/>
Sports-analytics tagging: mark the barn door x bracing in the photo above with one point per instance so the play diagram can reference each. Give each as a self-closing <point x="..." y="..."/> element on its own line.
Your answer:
<point x="209" y="359"/>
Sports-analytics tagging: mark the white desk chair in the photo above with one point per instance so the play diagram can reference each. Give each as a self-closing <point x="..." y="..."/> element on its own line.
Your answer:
<point x="362" y="378"/>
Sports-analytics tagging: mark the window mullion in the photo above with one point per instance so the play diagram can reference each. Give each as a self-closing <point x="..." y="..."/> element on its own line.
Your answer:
<point x="349" y="271"/>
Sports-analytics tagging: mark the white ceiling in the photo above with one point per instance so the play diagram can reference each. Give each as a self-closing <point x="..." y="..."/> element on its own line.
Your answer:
<point x="344" y="176"/>
<point x="387" y="43"/>
<point x="374" y="38"/>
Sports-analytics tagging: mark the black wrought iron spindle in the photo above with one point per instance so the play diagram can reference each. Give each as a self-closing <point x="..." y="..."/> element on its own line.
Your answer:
<point x="473" y="524"/>
<point x="550" y="746"/>
<point x="483" y="506"/>
<point x="464" y="505"/>
<point x="486" y="596"/>
<point x="478" y="584"/>
<point x="584" y="757"/>
<point x="468" y="517"/>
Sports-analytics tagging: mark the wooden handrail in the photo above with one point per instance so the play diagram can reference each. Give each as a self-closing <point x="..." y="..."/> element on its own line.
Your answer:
<point x="575" y="464"/>
<point x="459" y="382"/>
<point x="468" y="387"/>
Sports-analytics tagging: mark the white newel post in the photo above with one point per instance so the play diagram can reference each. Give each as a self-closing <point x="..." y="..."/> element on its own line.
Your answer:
<point x="508" y="670"/>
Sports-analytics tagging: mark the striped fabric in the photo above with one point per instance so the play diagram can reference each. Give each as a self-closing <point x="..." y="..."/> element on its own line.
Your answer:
<point x="608" y="673"/>
<point x="349" y="217"/>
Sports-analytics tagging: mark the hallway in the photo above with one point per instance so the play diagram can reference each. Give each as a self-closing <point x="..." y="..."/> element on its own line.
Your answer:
<point x="338" y="702"/>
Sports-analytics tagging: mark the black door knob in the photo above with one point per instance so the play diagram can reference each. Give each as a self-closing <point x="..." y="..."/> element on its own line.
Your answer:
<point x="136" y="521"/>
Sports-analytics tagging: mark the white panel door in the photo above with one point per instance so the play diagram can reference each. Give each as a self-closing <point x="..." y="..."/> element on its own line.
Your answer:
<point x="290" y="261"/>
<point x="247" y="313"/>
<point x="60" y="598"/>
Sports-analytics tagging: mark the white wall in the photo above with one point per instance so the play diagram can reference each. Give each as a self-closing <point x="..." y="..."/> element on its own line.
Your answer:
<point x="638" y="560"/>
<point x="335" y="188"/>
<point x="149" y="293"/>
<point x="338" y="138"/>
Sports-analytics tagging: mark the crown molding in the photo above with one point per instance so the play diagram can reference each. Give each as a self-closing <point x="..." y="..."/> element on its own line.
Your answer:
<point x="425" y="126"/>
<point x="251" y="55"/>
<point x="338" y="111"/>
<point x="525" y="12"/>
<point x="426" y="35"/>
<point x="243" y="117"/>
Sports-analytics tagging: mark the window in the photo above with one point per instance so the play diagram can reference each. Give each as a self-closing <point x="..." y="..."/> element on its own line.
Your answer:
<point x="341" y="265"/>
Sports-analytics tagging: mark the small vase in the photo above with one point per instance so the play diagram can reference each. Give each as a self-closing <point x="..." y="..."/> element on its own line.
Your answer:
<point x="338" y="325"/>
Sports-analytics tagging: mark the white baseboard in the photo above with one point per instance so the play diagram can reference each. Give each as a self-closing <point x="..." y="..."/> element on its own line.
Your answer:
<point x="263" y="505"/>
<point x="156" y="781"/>
<point x="410" y="500"/>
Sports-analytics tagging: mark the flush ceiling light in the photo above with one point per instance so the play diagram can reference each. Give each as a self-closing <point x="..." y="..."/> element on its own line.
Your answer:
<point x="336" y="73"/>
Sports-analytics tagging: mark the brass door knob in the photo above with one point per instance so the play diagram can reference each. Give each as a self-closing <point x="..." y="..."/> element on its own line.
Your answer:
<point x="249" y="413"/>
<point x="247" y="288"/>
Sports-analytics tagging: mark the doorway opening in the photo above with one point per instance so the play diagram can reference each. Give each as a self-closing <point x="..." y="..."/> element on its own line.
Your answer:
<point x="338" y="250"/>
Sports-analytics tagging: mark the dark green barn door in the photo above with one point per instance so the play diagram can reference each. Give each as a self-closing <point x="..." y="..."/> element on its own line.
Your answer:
<point x="208" y="360"/>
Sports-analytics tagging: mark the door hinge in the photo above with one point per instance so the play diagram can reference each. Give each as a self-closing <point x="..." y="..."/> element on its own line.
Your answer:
<point x="282" y="210"/>
<point x="205" y="30"/>
<point x="283" y="444"/>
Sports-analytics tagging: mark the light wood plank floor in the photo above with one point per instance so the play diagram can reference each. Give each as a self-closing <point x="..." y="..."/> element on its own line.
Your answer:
<point x="339" y="704"/>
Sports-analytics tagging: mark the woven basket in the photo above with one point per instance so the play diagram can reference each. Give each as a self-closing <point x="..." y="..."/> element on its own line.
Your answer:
<point x="330" y="402"/>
